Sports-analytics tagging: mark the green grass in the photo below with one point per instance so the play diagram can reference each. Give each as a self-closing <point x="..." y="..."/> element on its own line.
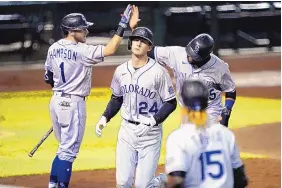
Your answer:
<point x="24" y="119"/>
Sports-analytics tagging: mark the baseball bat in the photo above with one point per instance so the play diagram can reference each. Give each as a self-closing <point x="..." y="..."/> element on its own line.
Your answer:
<point x="40" y="142"/>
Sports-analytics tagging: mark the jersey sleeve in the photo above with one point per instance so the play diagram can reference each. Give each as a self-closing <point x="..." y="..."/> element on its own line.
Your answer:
<point x="48" y="64"/>
<point x="165" y="89"/>
<point x="176" y="158"/>
<point x="166" y="56"/>
<point x="235" y="154"/>
<point x="92" y="55"/>
<point x="227" y="84"/>
<point x="115" y="84"/>
<point x="235" y="157"/>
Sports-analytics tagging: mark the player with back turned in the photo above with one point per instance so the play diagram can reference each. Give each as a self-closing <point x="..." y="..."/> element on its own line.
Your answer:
<point x="202" y="154"/>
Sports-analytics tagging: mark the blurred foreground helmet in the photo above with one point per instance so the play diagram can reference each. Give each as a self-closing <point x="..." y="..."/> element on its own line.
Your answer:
<point x="195" y="95"/>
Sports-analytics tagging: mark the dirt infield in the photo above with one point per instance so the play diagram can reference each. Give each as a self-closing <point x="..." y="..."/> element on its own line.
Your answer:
<point x="263" y="139"/>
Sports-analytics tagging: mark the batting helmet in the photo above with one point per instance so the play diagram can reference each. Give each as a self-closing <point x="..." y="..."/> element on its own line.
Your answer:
<point x="142" y="32"/>
<point x="74" y="21"/>
<point x="194" y="95"/>
<point x="200" y="47"/>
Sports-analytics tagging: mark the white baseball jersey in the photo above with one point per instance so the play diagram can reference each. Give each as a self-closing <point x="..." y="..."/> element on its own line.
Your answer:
<point x="144" y="90"/>
<point x="207" y="155"/>
<point x="71" y="64"/>
<point x="215" y="74"/>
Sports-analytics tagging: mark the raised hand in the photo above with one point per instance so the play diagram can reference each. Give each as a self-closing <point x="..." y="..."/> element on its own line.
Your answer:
<point x="134" y="18"/>
<point x="125" y="16"/>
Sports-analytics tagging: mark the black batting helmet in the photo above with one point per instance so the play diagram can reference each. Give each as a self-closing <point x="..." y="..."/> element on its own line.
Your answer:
<point x="142" y="32"/>
<point x="194" y="95"/>
<point x="200" y="47"/>
<point x="74" y="21"/>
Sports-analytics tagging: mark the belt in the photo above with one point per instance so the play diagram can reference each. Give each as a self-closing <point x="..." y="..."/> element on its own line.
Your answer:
<point x="136" y="123"/>
<point x="69" y="95"/>
<point x="132" y="122"/>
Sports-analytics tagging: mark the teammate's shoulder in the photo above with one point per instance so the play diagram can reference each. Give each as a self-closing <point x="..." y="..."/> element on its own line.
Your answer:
<point x="219" y="62"/>
<point x="54" y="45"/>
<point x="158" y="67"/>
<point x="225" y="131"/>
<point x="216" y="58"/>
<point x="175" y="136"/>
<point x="185" y="132"/>
<point x="122" y="66"/>
<point x="171" y="48"/>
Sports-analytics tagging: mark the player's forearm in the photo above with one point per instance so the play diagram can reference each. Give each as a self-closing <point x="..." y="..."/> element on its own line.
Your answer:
<point x="240" y="178"/>
<point x="112" y="46"/>
<point x="230" y="98"/>
<point x="113" y="107"/>
<point x="48" y="78"/>
<point x="174" y="182"/>
<point x="166" y="109"/>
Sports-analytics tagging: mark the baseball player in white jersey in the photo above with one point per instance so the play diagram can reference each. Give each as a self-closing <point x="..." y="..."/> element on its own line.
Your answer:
<point x="202" y="154"/>
<point x="143" y="90"/>
<point x="68" y="70"/>
<point x="195" y="61"/>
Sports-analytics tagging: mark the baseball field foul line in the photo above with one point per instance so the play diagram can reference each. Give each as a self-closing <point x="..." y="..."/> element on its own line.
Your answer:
<point x="8" y="186"/>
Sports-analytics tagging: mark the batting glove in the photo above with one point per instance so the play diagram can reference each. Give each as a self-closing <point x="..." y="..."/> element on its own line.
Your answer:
<point x="125" y="17"/>
<point x="145" y="126"/>
<point x="225" y="115"/>
<point x="102" y="123"/>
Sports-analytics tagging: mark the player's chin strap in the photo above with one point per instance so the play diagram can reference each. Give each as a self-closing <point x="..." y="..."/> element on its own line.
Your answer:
<point x="230" y="98"/>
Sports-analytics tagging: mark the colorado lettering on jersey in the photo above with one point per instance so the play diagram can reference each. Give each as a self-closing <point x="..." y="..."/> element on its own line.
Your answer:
<point x="63" y="53"/>
<point x="180" y="75"/>
<point x="139" y="90"/>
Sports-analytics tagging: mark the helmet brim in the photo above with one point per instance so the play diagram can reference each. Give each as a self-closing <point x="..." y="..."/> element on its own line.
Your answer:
<point x="140" y="36"/>
<point x="89" y="24"/>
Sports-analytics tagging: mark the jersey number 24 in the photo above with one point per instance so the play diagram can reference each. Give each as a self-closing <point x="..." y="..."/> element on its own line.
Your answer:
<point x="143" y="106"/>
<point x="206" y="160"/>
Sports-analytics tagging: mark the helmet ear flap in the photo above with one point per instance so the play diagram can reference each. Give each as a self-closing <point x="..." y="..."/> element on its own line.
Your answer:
<point x="129" y="44"/>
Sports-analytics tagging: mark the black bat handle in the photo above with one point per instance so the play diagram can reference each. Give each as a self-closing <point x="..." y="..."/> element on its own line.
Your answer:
<point x="40" y="142"/>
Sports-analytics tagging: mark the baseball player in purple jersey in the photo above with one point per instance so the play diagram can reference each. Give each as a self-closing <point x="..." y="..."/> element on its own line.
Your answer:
<point x="143" y="90"/>
<point x="69" y="70"/>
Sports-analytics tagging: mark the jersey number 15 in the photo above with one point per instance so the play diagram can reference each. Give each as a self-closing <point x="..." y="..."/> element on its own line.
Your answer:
<point x="206" y="161"/>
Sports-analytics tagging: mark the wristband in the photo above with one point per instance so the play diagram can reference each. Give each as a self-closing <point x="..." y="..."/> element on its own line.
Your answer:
<point x="120" y="31"/>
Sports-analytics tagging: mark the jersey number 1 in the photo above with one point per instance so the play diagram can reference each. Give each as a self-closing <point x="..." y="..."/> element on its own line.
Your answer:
<point x="206" y="160"/>
<point x="62" y="72"/>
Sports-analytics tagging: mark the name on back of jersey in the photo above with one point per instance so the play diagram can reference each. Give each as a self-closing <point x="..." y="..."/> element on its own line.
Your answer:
<point x="63" y="53"/>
